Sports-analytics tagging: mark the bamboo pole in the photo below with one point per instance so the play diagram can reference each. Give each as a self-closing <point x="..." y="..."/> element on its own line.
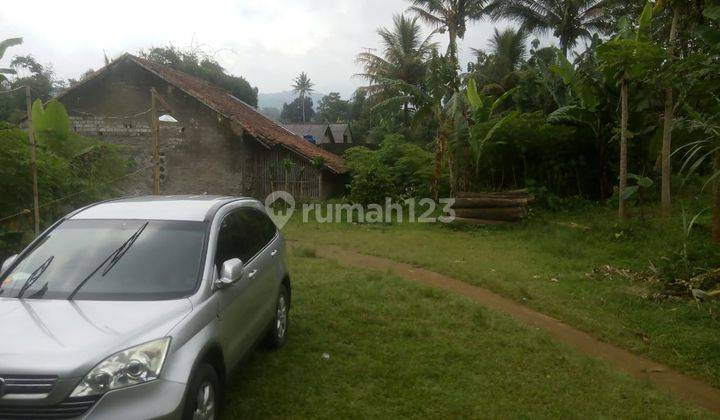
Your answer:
<point x="33" y="161"/>
<point x="156" y="137"/>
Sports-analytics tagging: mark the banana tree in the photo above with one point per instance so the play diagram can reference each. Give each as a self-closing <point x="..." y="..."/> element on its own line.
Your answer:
<point x="4" y="45"/>
<point x="584" y="107"/>
<point x="483" y="110"/>
<point x="707" y="123"/>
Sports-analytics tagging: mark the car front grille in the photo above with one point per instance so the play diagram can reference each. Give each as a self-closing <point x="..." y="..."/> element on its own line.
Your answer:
<point x="70" y="408"/>
<point x="27" y="384"/>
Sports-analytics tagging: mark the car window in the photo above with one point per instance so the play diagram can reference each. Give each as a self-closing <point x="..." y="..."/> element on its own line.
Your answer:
<point x="243" y="233"/>
<point x="111" y="260"/>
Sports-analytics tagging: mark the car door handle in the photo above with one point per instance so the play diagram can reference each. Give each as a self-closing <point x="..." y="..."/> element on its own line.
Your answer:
<point x="274" y="252"/>
<point x="252" y="273"/>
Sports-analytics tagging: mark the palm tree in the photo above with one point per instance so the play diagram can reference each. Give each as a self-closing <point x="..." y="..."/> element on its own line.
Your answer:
<point x="4" y="45"/>
<point x="451" y="16"/>
<point x="302" y="86"/>
<point x="505" y="56"/>
<point x="569" y="20"/>
<point x="403" y="64"/>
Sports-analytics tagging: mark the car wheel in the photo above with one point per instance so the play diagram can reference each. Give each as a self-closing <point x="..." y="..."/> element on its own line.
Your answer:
<point x="278" y="329"/>
<point x="203" y="397"/>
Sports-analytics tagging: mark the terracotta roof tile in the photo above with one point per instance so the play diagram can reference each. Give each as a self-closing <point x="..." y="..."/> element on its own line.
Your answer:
<point x="256" y="124"/>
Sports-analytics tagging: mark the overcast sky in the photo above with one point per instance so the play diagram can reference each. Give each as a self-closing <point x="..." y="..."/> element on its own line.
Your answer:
<point x="267" y="41"/>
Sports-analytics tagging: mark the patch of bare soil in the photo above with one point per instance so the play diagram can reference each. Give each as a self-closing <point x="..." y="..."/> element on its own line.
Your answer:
<point x="639" y="367"/>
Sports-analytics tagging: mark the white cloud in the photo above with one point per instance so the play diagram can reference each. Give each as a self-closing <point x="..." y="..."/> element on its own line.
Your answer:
<point x="267" y="41"/>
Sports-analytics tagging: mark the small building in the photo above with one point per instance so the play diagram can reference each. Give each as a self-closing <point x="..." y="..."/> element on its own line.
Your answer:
<point x="314" y="133"/>
<point x="341" y="133"/>
<point x="322" y="134"/>
<point x="219" y="144"/>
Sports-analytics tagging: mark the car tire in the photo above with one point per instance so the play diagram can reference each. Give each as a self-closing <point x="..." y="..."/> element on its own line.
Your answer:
<point x="278" y="329"/>
<point x="203" y="395"/>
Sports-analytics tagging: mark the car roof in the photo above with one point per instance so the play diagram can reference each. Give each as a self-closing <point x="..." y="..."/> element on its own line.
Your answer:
<point x="170" y="207"/>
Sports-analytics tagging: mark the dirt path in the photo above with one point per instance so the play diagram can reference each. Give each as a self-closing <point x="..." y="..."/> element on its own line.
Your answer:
<point x="661" y="376"/>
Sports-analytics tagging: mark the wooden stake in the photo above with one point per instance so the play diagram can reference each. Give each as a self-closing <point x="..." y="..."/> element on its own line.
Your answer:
<point x="156" y="136"/>
<point x="33" y="161"/>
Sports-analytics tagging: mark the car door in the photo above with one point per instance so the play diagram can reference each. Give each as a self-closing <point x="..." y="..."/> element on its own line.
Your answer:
<point x="269" y="269"/>
<point x="239" y="311"/>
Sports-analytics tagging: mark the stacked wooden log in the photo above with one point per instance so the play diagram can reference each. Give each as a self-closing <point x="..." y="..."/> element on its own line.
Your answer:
<point x="492" y="207"/>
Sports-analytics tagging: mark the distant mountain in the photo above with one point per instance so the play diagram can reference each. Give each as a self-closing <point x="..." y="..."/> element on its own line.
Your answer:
<point x="277" y="99"/>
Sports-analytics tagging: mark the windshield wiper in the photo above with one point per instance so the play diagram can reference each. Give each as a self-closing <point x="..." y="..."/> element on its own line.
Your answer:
<point x="35" y="276"/>
<point x="124" y="248"/>
<point x="113" y="258"/>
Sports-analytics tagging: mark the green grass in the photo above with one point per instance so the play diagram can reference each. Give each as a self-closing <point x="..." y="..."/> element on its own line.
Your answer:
<point x="397" y="349"/>
<point x="521" y="261"/>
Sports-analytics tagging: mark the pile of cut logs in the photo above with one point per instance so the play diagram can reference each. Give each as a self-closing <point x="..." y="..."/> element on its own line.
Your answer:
<point x="492" y="207"/>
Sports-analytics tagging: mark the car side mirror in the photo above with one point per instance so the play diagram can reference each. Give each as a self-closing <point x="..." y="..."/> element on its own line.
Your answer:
<point x="232" y="271"/>
<point x="8" y="262"/>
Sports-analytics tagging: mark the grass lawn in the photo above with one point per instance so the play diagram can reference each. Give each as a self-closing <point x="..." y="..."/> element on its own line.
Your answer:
<point x="397" y="349"/>
<point x="544" y="265"/>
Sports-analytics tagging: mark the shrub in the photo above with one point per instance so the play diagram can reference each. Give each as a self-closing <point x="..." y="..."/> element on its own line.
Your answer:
<point x="525" y="150"/>
<point x="72" y="170"/>
<point x="397" y="169"/>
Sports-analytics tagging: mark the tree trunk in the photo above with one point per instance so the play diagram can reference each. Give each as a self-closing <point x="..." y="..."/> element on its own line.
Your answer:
<point x="302" y="105"/>
<point x="716" y="201"/>
<point x="665" y="204"/>
<point x="623" y="147"/>
<point x="437" y="172"/>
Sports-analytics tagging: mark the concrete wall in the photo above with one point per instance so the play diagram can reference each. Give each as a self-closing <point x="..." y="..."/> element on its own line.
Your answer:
<point x="202" y="153"/>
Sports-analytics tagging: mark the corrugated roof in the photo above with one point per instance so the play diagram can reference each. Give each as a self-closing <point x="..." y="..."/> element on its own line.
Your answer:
<point x="257" y="125"/>
<point x="338" y="130"/>
<point x="319" y="131"/>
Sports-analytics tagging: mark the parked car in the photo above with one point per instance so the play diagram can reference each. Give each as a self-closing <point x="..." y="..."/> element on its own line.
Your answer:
<point x="139" y="308"/>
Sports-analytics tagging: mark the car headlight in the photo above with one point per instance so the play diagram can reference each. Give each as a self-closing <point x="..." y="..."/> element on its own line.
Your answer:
<point x="133" y="366"/>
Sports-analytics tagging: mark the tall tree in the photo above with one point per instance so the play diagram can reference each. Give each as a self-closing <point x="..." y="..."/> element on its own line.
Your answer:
<point x="302" y="85"/>
<point x="404" y="62"/>
<point x="668" y="111"/>
<point x="4" y="45"/>
<point x="629" y="60"/>
<point x="504" y="57"/>
<point x="332" y="109"/>
<point x="293" y="112"/>
<point x="569" y="20"/>
<point x="205" y="67"/>
<point x="450" y="16"/>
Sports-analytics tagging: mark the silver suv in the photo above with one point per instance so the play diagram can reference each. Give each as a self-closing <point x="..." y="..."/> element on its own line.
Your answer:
<point x="139" y="308"/>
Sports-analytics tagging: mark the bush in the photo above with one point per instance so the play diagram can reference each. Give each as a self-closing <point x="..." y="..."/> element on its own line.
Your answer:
<point x="72" y="170"/>
<point x="397" y="170"/>
<point x="527" y="151"/>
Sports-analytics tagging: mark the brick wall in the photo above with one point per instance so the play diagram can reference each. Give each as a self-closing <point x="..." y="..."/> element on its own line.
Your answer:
<point x="202" y="153"/>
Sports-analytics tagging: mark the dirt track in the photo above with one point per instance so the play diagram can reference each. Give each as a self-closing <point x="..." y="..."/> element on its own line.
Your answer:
<point x="661" y="376"/>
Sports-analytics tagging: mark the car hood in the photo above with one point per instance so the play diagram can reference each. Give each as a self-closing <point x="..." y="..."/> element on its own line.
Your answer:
<point x="68" y="338"/>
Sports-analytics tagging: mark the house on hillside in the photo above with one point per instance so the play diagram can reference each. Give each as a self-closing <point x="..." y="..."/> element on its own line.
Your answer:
<point x="321" y="134"/>
<point x="219" y="144"/>
<point x="341" y="133"/>
<point x="314" y="133"/>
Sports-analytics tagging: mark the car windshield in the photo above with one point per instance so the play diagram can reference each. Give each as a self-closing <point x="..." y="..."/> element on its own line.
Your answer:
<point x="111" y="260"/>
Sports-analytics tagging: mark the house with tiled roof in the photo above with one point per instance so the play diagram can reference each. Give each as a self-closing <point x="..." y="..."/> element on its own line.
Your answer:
<point x="218" y="144"/>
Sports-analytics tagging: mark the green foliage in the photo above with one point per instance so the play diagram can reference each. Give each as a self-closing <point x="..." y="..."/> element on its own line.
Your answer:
<point x="397" y="169"/>
<point x="205" y="67"/>
<point x="71" y="169"/>
<point x="28" y="72"/>
<point x="333" y="109"/>
<point x="527" y="151"/>
<point x="293" y="112"/>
